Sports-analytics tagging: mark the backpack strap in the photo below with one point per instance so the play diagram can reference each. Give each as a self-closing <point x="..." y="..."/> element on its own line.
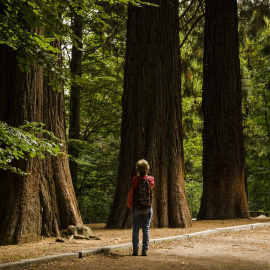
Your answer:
<point x="139" y="179"/>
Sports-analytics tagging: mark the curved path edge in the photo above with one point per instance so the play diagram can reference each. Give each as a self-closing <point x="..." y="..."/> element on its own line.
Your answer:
<point x="81" y="254"/>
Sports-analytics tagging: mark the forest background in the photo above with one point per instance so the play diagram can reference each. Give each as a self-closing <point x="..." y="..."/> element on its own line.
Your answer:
<point x="95" y="33"/>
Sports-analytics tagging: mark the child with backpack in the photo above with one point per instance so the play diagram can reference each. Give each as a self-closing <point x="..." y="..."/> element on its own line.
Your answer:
<point x="142" y="210"/>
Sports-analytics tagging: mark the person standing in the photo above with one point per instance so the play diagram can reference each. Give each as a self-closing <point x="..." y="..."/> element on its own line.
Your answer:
<point x="142" y="209"/>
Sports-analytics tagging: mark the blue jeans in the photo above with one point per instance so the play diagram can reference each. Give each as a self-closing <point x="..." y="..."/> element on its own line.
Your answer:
<point x="137" y="220"/>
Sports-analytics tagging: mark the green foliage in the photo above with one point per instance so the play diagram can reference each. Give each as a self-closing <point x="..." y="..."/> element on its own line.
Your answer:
<point x="194" y="194"/>
<point x="191" y="35"/>
<point x="23" y="142"/>
<point x="193" y="147"/>
<point x="98" y="165"/>
<point x="30" y="27"/>
<point x="255" y="61"/>
<point x="100" y="116"/>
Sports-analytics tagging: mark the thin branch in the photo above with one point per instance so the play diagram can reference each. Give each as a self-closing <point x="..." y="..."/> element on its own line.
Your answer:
<point x="183" y="2"/>
<point x="202" y="7"/>
<point x="195" y="13"/>
<point x="190" y="30"/>
<point x="96" y="126"/>
<point x="186" y="10"/>
<point x="90" y="51"/>
<point x="192" y="68"/>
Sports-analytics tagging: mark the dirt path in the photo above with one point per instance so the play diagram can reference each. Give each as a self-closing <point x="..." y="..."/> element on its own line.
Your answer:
<point x="235" y="250"/>
<point x="247" y="250"/>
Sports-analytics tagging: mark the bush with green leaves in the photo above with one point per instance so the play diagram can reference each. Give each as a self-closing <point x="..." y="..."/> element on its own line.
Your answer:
<point x="24" y="142"/>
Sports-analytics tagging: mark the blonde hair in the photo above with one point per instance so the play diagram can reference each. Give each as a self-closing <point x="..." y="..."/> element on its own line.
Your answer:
<point x="143" y="167"/>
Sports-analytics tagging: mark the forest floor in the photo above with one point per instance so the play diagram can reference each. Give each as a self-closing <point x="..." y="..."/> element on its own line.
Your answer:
<point x="231" y="250"/>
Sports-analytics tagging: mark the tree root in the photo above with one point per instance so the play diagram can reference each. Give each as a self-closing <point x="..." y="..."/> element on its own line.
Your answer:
<point x="77" y="232"/>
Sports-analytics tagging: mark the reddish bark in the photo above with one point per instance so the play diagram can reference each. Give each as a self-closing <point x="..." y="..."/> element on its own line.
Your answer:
<point x="152" y="117"/>
<point x="42" y="203"/>
<point x="224" y="194"/>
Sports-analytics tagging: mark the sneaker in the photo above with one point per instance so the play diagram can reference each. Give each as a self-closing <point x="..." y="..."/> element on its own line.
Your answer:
<point x="144" y="252"/>
<point x="135" y="252"/>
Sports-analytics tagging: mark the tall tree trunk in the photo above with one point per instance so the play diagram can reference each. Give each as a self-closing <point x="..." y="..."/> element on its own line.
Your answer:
<point x="42" y="203"/>
<point x="152" y="117"/>
<point x="224" y="194"/>
<point x="75" y="92"/>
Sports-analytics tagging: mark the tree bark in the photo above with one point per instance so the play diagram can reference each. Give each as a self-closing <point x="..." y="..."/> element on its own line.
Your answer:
<point x="75" y="92"/>
<point x="224" y="194"/>
<point x="152" y="117"/>
<point x="42" y="203"/>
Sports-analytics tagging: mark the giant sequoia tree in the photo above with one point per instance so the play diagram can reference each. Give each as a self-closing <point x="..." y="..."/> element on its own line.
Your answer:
<point x="151" y="123"/>
<point x="43" y="202"/>
<point x="224" y="194"/>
